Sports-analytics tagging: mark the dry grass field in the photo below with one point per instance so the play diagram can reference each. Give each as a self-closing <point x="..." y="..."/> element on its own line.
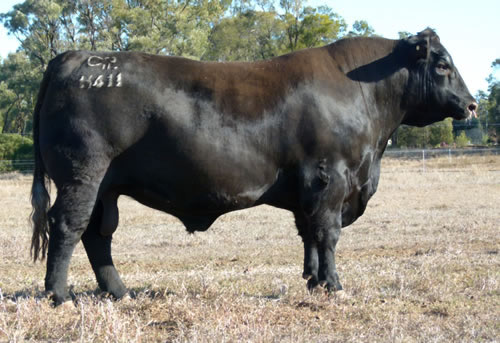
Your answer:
<point x="422" y="265"/>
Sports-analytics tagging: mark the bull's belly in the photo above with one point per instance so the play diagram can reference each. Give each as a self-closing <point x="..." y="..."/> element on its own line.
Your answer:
<point x="194" y="202"/>
<point x="197" y="210"/>
<point x="196" y="197"/>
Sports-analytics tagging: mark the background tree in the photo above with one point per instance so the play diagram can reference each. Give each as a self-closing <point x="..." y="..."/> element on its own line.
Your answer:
<point x="494" y="113"/>
<point x="95" y="21"/>
<point x="493" y="103"/>
<point x="409" y="137"/>
<point x="247" y="36"/>
<point x="361" y="28"/>
<point x="441" y="134"/>
<point x="404" y="34"/>
<point x="307" y="27"/>
<point x="19" y="82"/>
<point x="258" y="31"/>
<point x="37" y="26"/>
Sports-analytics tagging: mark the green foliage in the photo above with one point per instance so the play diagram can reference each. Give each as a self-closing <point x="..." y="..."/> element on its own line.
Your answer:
<point x="170" y="27"/>
<point x="35" y="23"/>
<point x="361" y="28"/>
<point x="462" y="140"/>
<point x="252" y="34"/>
<point x="493" y="108"/>
<point x="410" y="137"/>
<point x="404" y="34"/>
<point x="489" y="105"/>
<point x="307" y="27"/>
<point x="247" y="36"/>
<point x="19" y="82"/>
<point x="435" y="135"/>
<point x="14" y="147"/>
<point x="485" y="140"/>
<point x="441" y="133"/>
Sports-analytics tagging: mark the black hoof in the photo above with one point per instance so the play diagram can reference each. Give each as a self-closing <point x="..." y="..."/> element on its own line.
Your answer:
<point x="332" y="286"/>
<point x="57" y="300"/>
<point x="119" y="293"/>
<point x="312" y="283"/>
<point x="307" y="276"/>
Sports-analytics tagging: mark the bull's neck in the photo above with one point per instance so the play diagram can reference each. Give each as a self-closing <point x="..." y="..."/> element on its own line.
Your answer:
<point x="378" y="74"/>
<point x="386" y="98"/>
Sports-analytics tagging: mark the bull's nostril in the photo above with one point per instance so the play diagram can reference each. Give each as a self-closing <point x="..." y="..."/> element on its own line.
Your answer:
<point x="473" y="107"/>
<point x="472" y="110"/>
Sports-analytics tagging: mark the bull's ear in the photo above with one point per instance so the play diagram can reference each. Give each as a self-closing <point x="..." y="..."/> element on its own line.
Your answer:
<point x="421" y="44"/>
<point x="419" y="47"/>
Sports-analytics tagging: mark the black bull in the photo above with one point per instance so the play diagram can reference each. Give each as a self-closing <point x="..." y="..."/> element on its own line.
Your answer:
<point x="303" y="132"/>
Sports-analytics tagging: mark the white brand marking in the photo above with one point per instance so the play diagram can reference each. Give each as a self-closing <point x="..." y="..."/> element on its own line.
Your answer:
<point x="119" y="80"/>
<point x="102" y="80"/>
<point x="103" y="62"/>
<point x="110" y="80"/>
<point x="86" y="83"/>
<point x="99" y="81"/>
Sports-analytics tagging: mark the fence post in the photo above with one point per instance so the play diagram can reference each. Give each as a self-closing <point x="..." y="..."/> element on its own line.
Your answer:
<point x="449" y="155"/>
<point x="423" y="160"/>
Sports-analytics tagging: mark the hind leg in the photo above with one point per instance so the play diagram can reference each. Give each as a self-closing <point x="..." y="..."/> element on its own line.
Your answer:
<point x="98" y="248"/>
<point x="68" y="219"/>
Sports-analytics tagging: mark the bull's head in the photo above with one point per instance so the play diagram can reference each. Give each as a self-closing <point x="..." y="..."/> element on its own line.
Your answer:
<point x="435" y="88"/>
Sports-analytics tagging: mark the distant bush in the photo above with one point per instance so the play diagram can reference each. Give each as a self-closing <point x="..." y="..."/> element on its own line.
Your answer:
<point x="441" y="134"/>
<point x="462" y="140"/>
<point x="14" y="147"/>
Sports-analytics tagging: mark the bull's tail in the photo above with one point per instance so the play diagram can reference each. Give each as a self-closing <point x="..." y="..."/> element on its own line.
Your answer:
<point x="40" y="198"/>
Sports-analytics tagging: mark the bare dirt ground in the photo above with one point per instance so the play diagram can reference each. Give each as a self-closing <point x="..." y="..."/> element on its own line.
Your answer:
<point x="422" y="265"/>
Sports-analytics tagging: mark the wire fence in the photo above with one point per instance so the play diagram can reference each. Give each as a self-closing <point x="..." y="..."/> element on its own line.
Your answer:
<point x="21" y="166"/>
<point x="425" y="156"/>
<point x="441" y="160"/>
<point x="417" y="154"/>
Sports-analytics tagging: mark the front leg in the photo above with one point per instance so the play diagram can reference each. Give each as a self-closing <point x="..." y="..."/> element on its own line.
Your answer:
<point x="327" y="226"/>
<point x="320" y="234"/>
<point x="311" y="263"/>
<point x="319" y="222"/>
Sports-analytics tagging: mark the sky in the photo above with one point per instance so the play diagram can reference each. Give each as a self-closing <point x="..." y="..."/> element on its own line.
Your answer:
<point x="469" y="30"/>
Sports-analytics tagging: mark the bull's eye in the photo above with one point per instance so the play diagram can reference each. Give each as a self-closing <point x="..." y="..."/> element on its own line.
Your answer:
<point x="443" y="68"/>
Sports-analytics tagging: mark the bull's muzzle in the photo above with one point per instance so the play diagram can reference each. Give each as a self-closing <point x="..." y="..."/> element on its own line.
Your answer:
<point x="472" y="108"/>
